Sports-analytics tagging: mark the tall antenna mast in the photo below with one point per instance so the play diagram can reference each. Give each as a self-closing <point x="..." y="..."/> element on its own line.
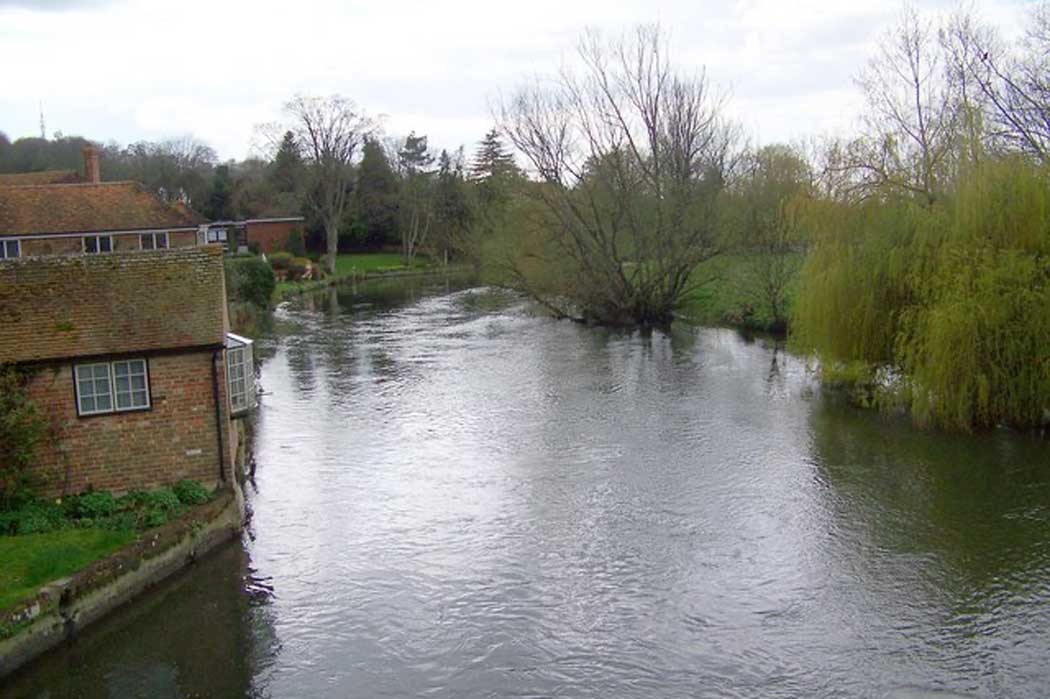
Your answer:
<point x="43" y="131"/>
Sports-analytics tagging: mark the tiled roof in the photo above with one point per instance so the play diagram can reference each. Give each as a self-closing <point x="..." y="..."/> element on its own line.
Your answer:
<point x="42" y="177"/>
<point x="85" y="305"/>
<point x="87" y="208"/>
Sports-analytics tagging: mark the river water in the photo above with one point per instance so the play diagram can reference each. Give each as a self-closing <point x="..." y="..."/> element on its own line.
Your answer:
<point x="456" y="497"/>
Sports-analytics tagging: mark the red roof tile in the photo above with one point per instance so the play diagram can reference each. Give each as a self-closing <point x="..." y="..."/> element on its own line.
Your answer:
<point x="87" y="208"/>
<point x="15" y="179"/>
<point x="118" y="303"/>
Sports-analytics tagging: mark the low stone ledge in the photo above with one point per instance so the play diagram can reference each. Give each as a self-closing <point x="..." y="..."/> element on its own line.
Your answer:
<point x="63" y="607"/>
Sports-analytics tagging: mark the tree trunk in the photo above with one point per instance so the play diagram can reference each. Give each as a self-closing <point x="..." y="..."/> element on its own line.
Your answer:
<point x="332" y="235"/>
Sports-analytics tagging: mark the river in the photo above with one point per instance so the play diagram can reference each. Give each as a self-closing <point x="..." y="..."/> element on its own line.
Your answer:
<point x="455" y="497"/>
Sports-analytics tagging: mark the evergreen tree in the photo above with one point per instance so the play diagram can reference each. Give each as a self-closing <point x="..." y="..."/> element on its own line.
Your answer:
<point x="491" y="160"/>
<point x="286" y="172"/>
<point x="494" y="171"/>
<point x="451" y="208"/>
<point x="417" y="194"/>
<point x="219" y="205"/>
<point x="375" y="197"/>
<point x="414" y="156"/>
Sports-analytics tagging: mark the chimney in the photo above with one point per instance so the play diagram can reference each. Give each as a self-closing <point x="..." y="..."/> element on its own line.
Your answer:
<point x="91" y="169"/>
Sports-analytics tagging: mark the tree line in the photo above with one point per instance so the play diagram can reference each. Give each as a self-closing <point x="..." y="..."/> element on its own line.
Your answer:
<point x="356" y="187"/>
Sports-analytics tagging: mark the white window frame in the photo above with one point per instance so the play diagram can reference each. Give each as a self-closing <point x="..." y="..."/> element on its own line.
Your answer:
<point x="154" y="237"/>
<point x="217" y="235"/>
<point x="111" y="384"/>
<point x="240" y="374"/>
<point x="3" y="249"/>
<point x="98" y="244"/>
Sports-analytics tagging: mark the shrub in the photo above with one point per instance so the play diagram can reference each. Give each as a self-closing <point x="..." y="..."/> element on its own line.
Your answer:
<point x="36" y="517"/>
<point x="249" y="280"/>
<point x="298" y="267"/>
<point x="21" y="428"/>
<point x="191" y="492"/>
<point x="95" y="504"/>
<point x="281" y="260"/>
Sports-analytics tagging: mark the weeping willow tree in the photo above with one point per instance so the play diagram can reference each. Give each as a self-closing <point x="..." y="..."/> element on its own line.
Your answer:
<point x="953" y="298"/>
<point x="975" y="343"/>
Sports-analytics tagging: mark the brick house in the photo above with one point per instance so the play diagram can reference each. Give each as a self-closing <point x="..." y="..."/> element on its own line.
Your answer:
<point x="46" y="214"/>
<point x="130" y="360"/>
<point x="267" y="234"/>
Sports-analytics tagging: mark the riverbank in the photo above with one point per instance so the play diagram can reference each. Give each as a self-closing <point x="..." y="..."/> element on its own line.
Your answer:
<point x="354" y="268"/>
<point x="60" y="609"/>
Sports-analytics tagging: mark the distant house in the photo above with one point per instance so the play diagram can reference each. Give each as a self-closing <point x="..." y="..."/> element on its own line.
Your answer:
<point x="88" y="217"/>
<point x="56" y="212"/>
<point x="266" y="235"/>
<point x="131" y="362"/>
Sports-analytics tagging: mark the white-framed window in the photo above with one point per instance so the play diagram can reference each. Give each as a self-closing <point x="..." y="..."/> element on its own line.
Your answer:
<point x="94" y="244"/>
<point x="153" y="241"/>
<point x="108" y="387"/>
<point x="240" y="374"/>
<point x="10" y="249"/>
<point x="217" y="235"/>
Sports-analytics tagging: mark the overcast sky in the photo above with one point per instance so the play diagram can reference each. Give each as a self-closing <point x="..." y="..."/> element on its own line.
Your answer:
<point x="124" y="70"/>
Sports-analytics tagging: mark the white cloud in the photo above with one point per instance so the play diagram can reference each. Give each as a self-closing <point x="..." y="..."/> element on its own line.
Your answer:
<point x="126" y="70"/>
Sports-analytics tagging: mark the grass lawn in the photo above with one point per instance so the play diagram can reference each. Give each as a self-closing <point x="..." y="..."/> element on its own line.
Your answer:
<point x="360" y="262"/>
<point x="373" y="262"/>
<point x="32" y="560"/>
<point x="734" y="286"/>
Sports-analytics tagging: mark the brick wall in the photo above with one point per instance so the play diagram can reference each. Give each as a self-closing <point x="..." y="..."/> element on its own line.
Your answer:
<point x="182" y="239"/>
<point x="273" y="236"/>
<point x="126" y="241"/>
<point x="174" y="439"/>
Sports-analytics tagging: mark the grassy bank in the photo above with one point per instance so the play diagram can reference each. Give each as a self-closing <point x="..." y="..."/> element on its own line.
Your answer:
<point x="33" y="560"/>
<point x="45" y="539"/>
<point x="354" y="264"/>
<point x="732" y="292"/>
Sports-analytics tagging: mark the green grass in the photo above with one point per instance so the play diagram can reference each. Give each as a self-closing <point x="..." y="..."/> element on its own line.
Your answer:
<point x="358" y="263"/>
<point x="733" y="288"/>
<point x="32" y="560"/>
<point x="373" y="262"/>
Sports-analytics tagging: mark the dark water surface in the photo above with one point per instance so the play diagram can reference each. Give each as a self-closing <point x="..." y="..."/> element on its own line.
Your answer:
<point x="456" y="498"/>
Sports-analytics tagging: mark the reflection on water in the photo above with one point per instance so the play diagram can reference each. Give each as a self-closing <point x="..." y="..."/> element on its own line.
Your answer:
<point x="456" y="497"/>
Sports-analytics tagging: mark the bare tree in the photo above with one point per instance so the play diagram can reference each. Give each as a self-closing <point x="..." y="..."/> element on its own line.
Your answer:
<point x="912" y="117"/>
<point x="330" y="130"/>
<point x="1010" y="85"/>
<point x="632" y="157"/>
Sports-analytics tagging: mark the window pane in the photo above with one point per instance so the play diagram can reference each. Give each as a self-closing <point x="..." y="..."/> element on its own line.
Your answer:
<point x="146" y="241"/>
<point x="131" y="389"/>
<point x="162" y="240"/>
<point x="105" y="244"/>
<point x="91" y="244"/>
<point x="93" y="388"/>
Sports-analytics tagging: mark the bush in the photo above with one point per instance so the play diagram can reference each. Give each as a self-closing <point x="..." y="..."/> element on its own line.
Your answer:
<point x="96" y="504"/>
<point x="298" y="267"/>
<point x="191" y="492"/>
<point x="21" y="428"/>
<point x="249" y="280"/>
<point x="36" y="517"/>
<point x="281" y="260"/>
